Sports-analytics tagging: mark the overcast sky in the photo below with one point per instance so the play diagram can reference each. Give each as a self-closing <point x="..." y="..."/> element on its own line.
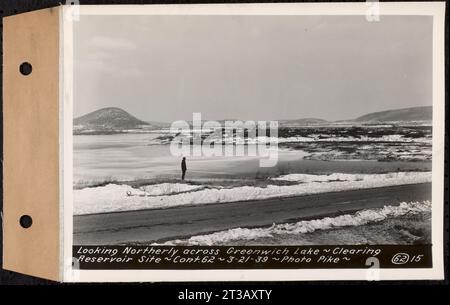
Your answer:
<point x="164" y="68"/>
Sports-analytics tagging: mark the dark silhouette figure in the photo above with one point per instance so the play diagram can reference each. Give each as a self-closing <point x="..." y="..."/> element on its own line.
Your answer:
<point x="183" y="168"/>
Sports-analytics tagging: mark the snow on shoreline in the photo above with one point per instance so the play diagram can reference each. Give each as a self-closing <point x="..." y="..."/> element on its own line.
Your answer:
<point x="114" y="197"/>
<point x="167" y="139"/>
<point x="308" y="226"/>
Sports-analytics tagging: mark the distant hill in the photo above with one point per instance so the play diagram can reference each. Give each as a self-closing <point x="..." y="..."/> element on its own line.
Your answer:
<point x="405" y="114"/>
<point x="110" y="118"/>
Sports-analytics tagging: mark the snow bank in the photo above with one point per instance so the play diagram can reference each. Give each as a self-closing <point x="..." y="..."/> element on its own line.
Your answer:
<point x="112" y="197"/>
<point x="360" y="218"/>
<point x="329" y="138"/>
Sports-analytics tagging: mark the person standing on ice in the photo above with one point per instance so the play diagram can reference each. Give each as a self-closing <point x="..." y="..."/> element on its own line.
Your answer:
<point x="183" y="168"/>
